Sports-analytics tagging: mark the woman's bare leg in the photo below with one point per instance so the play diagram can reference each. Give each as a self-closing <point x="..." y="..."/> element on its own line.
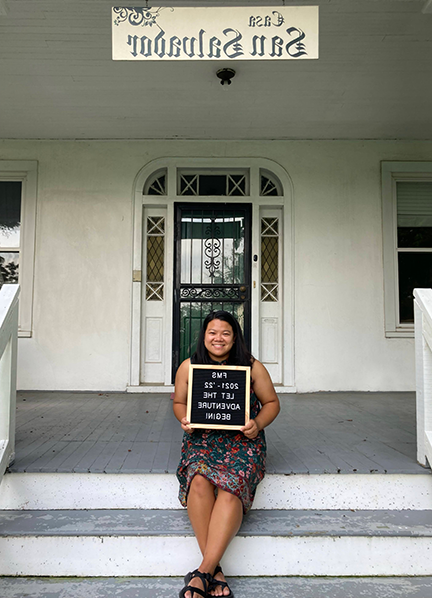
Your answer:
<point x="225" y="521"/>
<point x="200" y="503"/>
<point x="215" y="522"/>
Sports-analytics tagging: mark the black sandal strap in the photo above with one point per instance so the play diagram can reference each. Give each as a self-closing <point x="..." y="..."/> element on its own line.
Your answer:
<point x="193" y="591"/>
<point x="217" y="582"/>
<point x="222" y="584"/>
<point x="206" y="580"/>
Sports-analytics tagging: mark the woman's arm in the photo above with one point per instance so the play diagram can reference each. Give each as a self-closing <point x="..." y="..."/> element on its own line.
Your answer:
<point x="180" y="395"/>
<point x="265" y="392"/>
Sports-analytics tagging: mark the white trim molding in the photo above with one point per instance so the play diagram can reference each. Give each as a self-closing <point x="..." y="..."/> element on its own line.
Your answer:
<point x="26" y="172"/>
<point x="391" y="173"/>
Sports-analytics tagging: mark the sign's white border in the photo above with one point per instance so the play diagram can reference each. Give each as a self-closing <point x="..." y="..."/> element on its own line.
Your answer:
<point x="208" y="33"/>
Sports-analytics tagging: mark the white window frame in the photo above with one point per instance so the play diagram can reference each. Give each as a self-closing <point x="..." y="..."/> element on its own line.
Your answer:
<point x="391" y="173"/>
<point x="26" y="172"/>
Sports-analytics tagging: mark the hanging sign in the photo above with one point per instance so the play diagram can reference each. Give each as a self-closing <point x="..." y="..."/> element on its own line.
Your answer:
<point x="208" y="33"/>
<point x="218" y="396"/>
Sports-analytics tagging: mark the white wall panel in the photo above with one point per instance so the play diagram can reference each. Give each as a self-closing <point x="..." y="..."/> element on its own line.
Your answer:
<point x="154" y="345"/>
<point x="269" y="340"/>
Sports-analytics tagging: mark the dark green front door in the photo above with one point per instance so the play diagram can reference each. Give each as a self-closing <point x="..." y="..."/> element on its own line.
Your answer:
<point x="212" y="269"/>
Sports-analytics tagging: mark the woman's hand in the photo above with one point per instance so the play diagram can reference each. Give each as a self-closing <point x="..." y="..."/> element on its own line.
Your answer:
<point x="250" y="430"/>
<point x="185" y="425"/>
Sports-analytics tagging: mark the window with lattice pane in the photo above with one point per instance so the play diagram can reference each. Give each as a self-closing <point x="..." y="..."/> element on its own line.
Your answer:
<point x="156" y="184"/>
<point x="208" y="184"/>
<point x="269" y="259"/>
<point x="269" y="184"/>
<point x="155" y="258"/>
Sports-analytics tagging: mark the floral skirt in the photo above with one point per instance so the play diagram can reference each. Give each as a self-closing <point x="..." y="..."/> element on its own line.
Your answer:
<point x="228" y="459"/>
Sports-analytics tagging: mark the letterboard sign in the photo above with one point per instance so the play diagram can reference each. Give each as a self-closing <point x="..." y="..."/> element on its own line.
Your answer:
<point x="218" y="396"/>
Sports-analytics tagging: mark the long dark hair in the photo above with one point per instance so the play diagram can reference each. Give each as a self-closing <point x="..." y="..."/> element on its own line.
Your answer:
<point x="239" y="354"/>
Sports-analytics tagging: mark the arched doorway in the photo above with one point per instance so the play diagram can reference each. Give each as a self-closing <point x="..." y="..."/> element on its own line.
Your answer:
<point x="211" y="234"/>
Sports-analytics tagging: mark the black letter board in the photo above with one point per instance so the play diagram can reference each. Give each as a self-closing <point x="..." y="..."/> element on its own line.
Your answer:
<point x="218" y="396"/>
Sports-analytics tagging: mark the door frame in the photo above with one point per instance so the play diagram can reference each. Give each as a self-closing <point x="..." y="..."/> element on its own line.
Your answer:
<point x="171" y="165"/>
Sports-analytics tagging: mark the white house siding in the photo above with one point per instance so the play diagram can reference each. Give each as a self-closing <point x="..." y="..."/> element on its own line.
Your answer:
<point x="83" y="273"/>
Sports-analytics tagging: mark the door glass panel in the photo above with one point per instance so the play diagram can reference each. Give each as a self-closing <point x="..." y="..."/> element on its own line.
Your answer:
<point x="212" y="247"/>
<point x="192" y="316"/>
<point x="213" y="269"/>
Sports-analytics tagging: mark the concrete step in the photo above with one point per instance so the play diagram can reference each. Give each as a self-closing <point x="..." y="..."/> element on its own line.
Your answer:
<point x="161" y="542"/>
<point x="159" y="491"/>
<point x="251" y="587"/>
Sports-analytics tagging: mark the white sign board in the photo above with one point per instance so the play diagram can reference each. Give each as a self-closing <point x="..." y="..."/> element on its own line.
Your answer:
<point x="207" y="33"/>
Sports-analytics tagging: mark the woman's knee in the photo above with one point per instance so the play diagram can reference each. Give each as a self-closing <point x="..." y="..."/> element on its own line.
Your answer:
<point x="229" y="498"/>
<point x="201" y="486"/>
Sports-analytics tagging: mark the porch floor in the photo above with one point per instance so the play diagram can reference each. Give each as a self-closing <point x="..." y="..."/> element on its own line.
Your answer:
<point x="345" y="432"/>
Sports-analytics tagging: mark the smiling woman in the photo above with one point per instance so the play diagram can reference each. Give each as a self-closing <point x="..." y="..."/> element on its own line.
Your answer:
<point x="219" y="470"/>
<point x="219" y="339"/>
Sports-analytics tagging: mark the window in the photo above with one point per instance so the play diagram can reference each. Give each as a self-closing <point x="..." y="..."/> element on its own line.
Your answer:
<point x="269" y="184"/>
<point x="213" y="183"/>
<point x="269" y="259"/>
<point x="10" y="228"/>
<point x="155" y="258"/>
<point x="407" y="236"/>
<point x="17" y="232"/>
<point x="156" y="183"/>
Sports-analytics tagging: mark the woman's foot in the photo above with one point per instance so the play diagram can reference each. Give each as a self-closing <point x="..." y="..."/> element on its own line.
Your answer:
<point x="223" y="589"/>
<point x="194" y="583"/>
<point x="198" y="580"/>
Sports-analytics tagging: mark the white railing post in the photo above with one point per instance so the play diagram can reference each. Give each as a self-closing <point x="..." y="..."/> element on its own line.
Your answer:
<point x="8" y="367"/>
<point x="423" y="354"/>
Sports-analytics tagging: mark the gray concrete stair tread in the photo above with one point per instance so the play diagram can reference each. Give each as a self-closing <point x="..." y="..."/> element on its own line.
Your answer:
<point x="243" y="587"/>
<point x="135" y="522"/>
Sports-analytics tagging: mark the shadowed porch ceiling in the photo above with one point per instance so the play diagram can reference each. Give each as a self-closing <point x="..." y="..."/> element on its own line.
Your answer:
<point x="373" y="79"/>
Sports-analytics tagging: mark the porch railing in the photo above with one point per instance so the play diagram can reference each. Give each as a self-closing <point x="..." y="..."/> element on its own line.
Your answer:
<point x="423" y="353"/>
<point x="8" y="366"/>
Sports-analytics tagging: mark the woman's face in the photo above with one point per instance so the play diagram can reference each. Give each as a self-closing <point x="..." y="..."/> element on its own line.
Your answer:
<point x="219" y="339"/>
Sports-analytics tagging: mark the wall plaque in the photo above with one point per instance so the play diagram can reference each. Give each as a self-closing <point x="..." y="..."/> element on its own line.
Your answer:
<point x="218" y="396"/>
<point x="215" y="33"/>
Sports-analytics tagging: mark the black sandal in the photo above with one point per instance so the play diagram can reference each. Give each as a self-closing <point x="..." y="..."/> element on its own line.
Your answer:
<point x="223" y="584"/>
<point x="206" y="579"/>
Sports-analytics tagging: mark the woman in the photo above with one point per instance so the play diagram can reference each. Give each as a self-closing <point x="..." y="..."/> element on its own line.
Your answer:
<point x="219" y="470"/>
